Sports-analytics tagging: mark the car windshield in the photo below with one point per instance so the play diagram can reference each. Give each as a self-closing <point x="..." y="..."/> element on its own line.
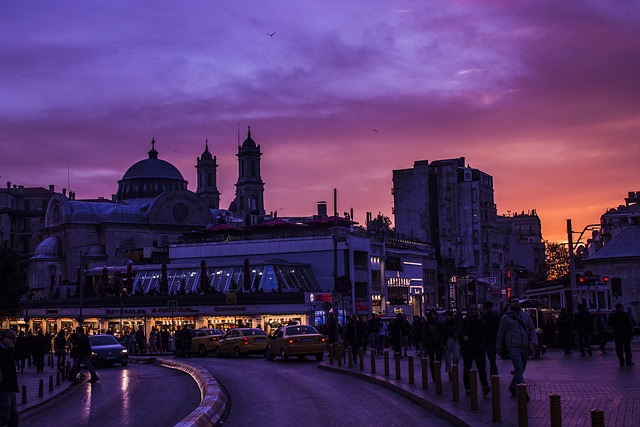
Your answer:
<point x="301" y="330"/>
<point x="103" y="340"/>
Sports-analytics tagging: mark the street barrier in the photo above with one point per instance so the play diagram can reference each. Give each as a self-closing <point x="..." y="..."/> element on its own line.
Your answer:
<point x="361" y="358"/>
<point x="397" y="359"/>
<point x="473" y="387"/>
<point x="373" y="361"/>
<point x="411" y="374"/>
<point x="523" y="412"/>
<point x="386" y="363"/>
<point x="425" y="372"/>
<point x="555" y="410"/>
<point x="438" y="377"/>
<point x="495" y="399"/>
<point x="597" y="418"/>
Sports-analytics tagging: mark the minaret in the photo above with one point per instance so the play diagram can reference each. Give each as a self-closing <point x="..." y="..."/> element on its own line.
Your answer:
<point x="207" y="170"/>
<point x="250" y="188"/>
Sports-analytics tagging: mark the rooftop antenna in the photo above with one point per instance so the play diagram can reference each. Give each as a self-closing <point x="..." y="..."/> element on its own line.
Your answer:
<point x="68" y="178"/>
<point x="238" y="133"/>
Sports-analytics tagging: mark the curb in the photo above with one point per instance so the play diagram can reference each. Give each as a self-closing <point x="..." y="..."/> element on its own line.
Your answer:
<point x="213" y="399"/>
<point x="442" y="409"/>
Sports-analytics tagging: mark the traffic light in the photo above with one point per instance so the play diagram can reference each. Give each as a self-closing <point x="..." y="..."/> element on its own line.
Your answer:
<point x="605" y="280"/>
<point x="509" y="274"/>
<point x="580" y="279"/>
<point x="508" y="292"/>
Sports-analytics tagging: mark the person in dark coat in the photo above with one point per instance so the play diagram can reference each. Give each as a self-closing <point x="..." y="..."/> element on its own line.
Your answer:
<point x="564" y="331"/>
<point x="60" y="349"/>
<point x="432" y="338"/>
<point x="492" y="321"/>
<point x="42" y="347"/>
<point x="8" y="380"/>
<point x="140" y="340"/>
<point x="21" y="351"/>
<point x="620" y="323"/>
<point x="395" y="333"/>
<point x="84" y="356"/>
<point x="472" y="335"/>
<point x="583" y="324"/>
<point x="32" y="345"/>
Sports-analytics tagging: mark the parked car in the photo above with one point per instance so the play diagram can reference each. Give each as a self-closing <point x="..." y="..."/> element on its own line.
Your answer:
<point x="107" y="350"/>
<point x="296" y="340"/>
<point x="205" y="340"/>
<point x="242" y="342"/>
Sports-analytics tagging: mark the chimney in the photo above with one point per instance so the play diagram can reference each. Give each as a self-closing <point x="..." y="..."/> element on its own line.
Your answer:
<point x="322" y="209"/>
<point x="52" y="188"/>
<point x="8" y="185"/>
<point x="64" y="191"/>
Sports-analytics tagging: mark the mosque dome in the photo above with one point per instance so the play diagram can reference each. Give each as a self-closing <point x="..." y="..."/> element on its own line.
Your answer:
<point x="149" y="178"/>
<point x="49" y="248"/>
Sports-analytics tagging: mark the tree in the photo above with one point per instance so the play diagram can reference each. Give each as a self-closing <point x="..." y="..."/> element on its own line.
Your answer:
<point x="556" y="260"/>
<point x="10" y="289"/>
<point x="381" y="223"/>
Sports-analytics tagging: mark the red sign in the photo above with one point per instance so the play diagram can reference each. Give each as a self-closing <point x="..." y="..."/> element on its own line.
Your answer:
<point x="323" y="297"/>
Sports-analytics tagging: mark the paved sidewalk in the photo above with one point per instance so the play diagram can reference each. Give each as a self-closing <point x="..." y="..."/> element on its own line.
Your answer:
<point x="596" y="382"/>
<point x="31" y="380"/>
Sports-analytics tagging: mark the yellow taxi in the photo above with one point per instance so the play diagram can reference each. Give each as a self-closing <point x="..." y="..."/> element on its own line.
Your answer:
<point x="205" y="340"/>
<point x="296" y="340"/>
<point x="242" y="342"/>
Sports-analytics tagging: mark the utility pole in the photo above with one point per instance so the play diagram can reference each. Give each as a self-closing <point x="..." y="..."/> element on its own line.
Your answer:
<point x="572" y="268"/>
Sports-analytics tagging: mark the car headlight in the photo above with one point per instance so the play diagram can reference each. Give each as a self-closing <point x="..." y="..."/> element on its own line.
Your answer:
<point x="94" y="354"/>
<point x="123" y="351"/>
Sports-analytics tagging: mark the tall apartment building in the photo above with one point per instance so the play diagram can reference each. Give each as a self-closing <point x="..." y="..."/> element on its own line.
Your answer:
<point x="451" y="206"/>
<point x="524" y="249"/>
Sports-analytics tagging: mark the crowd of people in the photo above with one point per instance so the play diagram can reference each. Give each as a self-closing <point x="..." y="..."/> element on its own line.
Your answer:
<point x="482" y="333"/>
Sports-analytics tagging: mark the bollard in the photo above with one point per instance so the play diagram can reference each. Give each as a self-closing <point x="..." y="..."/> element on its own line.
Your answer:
<point x="473" y="383"/>
<point x="597" y="418"/>
<point x="495" y="398"/>
<point x="50" y="382"/>
<point x="350" y="356"/>
<point x="425" y="373"/>
<point x="41" y="388"/>
<point x="455" y="383"/>
<point x="438" y="377"/>
<point x="332" y="351"/>
<point x="58" y="378"/>
<point x="361" y="358"/>
<point x="24" y="394"/>
<point x="386" y="363"/>
<point x="373" y="361"/>
<point x="555" y="410"/>
<point x="396" y="356"/>
<point x="523" y="415"/>
<point x="411" y="373"/>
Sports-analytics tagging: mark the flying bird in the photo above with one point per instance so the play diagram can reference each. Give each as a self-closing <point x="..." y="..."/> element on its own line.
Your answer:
<point x="271" y="34"/>
<point x="374" y="130"/>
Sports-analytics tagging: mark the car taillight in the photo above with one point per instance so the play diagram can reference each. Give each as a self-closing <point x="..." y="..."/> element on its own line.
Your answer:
<point x="322" y="339"/>
<point x="290" y="341"/>
<point x="213" y="339"/>
<point x="245" y="340"/>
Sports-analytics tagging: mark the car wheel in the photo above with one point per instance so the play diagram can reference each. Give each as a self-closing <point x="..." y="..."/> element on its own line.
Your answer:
<point x="202" y="350"/>
<point x="237" y="352"/>
<point x="283" y="356"/>
<point x="123" y="364"/>
<point x="319" y="357"/>
<point x="268" y="354"/>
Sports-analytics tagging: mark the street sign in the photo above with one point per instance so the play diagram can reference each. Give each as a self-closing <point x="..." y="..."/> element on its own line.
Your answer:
<point x="172" y="305"/>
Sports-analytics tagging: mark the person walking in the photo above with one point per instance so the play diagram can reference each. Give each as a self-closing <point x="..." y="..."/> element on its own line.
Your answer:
<point x="383" y="336"/>
<point x="472" y="335"/>
<point x="84" y="356"/>
<point x="601" y="331"/>
<point x="450" y="344"/>
<point x="583" y="324"/>
<point x="620" y="323"/>
<point x="492" y="321"/>
<point x="74" y="345"/>
<point x="564" y="331"/>
<point x="21" y="350"/>
<point x="416" y="334"/>
<point x="394" y="333"/>
<point x="374" y="329"/>
<point x="8" y="380"/>
<point x="140" y="340"/>
<point x="60" y="349"/>
<point x="519" y="335"/>
<point x="432" y="337"/>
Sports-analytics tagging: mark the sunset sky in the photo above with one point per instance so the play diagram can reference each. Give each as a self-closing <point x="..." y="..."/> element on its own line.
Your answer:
<point x="542" y="95"/>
